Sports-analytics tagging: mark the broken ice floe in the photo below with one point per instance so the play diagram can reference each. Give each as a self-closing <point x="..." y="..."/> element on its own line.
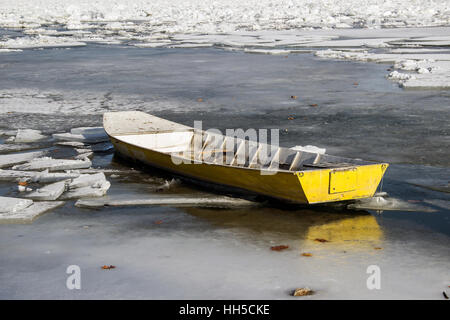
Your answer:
<point x="178" y="201"/>
<point x="53" y="164"/>
<point x="8" y="160"/>
<point x="97" y="189"/>
<point x="12" y="205"/>
<point x="49" y="192"/>
<point x="40" y="41"/>
<point x="387" y="204"/>
<point x="27" y="135"/>
<point x="74" y="144"/>
<point x="42" y="176"/>
<point x="7" y="148"/>
<point x="83" y="134"/>
<point x="85" y="180"/>
<point x="28" y="213"/>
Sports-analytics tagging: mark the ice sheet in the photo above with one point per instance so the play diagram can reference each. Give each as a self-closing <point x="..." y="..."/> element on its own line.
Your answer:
<point x="165" y="200"/>
<point x="85" y="180"/>
<point x="386" y="204"/>
<point x="43" y="176"/>
<point x="6" y="148"/>
<point x="30" y="213"/>
<point x="48" y="192"/>
<point x="28" y="135"/>
<point x="98" y="189"/>
<point x="85" y="138"/>
<point x="11" y="205"/>
<point x="9" y="160"/>
<point x="54" y="164"/>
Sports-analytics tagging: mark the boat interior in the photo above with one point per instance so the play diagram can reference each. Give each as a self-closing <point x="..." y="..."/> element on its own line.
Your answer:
<point x="204" y="147"/>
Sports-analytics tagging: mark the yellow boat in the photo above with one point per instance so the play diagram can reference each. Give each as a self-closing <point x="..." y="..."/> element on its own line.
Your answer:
<point x="240" y="164"/>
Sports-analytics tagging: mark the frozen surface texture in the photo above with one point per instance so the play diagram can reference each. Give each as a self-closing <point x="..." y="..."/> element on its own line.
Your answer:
<point x="48" y="192"/>
<point x="222" y="16"/>
<point x="240" y="72"/>
<point x="178" y="200"/>
<point x="28" y="135"/>
<point x="28" y="214"/>
<point x="267" y="27"/>
<point x="47" y="163"/>
<point x="12" y="205"/>
<point x="9" y="160"/>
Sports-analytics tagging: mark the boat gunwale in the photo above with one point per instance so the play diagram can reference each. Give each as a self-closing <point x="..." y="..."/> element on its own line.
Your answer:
<point x="194" y="161"/>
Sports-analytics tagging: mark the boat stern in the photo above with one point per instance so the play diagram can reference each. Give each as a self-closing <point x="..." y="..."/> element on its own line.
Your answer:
<point x="339" y="184"/>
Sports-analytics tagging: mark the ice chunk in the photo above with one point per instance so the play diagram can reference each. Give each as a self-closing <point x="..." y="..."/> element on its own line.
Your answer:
<point x="54" y="164"/>
<point x="84" y="150"/>
<point x="85" y="180"/>
<point x="7" y="132"/>
<point x="83" y="156"/>
<point x="14" y="175"/>
<point x="5" y="148"/>
<point x="84" y="134"/>
<point x="74" y="144"/>
<point x="9" y="160"/>
<point x="387" y="204"/>
<point x="89" y="131"/>
<point x="11" y="205"/>
<point x="395" y="75"/>
<point x="46" y="176"/>
<point x="43" y="176"/>
<point x="308" y="148"/>
<point x="178" y="201"/>
<point x="49" y="192"/>
<point x="28" y="135"/>
<point x="30" y="213"/>
<point x="98" y="190"/>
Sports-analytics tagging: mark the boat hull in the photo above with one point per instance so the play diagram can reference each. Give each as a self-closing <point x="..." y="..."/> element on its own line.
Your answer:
<point x="305" y="187"/>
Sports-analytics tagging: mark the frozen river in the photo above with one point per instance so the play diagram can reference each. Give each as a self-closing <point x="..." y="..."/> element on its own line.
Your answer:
<point x="350" y="108"/>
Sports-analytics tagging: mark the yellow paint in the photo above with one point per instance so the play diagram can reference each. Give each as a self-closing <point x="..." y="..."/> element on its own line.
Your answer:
<point x="327" y="185"/>
<point x="300" y="187"/>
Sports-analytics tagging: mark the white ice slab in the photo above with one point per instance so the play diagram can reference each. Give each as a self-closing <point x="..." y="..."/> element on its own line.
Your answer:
<point x="99" y="131"/>
<point x="85" y="138"/>
<point x="49" y="192"/>
<point x="30" y="213"/>
<point x="74" y="144"/>
<point x="83" y="156"/>
<point x="12" y="205"/>
<point x="173" y="200"/>
<point x="42" y="176"/>
<point x="84" y="180"/>
<point x="96" y="191"/>
<point x="28" y="135"/>
<point x="9" y="160"/>
<point x="54" y="164"/>
<point x="5" y="148"/>
<point x="387" y="204"/>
